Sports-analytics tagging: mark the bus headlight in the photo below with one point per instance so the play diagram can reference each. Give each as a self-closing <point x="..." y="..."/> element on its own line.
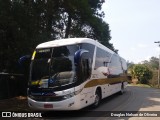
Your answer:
<point x="67" y="96"/>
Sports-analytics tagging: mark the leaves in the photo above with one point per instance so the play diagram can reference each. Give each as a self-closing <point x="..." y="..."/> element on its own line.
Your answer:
<point x="142" y="73"/>
<point x="26" y="23"/>
<point x="152" y="63"/>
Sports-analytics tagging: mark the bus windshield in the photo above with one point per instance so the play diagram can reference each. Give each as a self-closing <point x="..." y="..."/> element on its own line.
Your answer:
<point x="52" y="67"/>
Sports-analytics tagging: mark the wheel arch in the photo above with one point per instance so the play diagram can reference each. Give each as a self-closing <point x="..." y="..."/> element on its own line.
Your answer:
<point x="100" y="91"/>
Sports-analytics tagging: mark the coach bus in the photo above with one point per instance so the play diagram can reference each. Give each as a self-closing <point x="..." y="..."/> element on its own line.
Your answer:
<point x="70" y="74"/>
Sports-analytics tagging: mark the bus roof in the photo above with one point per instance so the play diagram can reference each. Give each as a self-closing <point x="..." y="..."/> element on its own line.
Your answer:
<point x="67" y="41"/>
<point x="71" y="41"/>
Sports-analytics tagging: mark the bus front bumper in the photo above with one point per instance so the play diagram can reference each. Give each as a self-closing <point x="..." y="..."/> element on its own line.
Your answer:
<point x="68" y="104"/>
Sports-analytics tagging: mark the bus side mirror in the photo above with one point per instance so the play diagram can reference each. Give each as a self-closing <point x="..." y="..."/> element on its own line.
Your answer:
<point x="87" y="67"/>
<point x="78" y="55"/>
<point x="83" y="64"/>
<point x="22" y="60"/>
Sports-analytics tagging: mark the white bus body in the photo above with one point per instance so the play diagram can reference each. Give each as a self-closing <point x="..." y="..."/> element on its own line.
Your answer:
<point x="70" y="74"/>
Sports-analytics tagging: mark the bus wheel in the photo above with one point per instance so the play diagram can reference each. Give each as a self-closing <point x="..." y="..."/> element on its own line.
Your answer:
<point x="122" y="89"/>
<point x="97" y="98"/>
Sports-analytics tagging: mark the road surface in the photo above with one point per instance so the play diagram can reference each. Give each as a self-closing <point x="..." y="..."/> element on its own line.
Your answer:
<point x="144" y="100"/>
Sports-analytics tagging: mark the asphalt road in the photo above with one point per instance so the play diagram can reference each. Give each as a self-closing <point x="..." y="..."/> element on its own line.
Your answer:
<point x="144" y="100"/>
<point x="134" y="103"/>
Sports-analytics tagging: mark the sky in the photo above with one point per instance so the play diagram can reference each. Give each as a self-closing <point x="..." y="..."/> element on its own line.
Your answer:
<point x="135" y="26"/>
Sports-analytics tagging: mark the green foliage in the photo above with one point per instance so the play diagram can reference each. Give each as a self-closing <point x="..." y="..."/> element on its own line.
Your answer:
<point x="154" y="81"/>
<point x="142" y="73"/>
<point x="26" y="23"/>
<point x="152" y="63"/>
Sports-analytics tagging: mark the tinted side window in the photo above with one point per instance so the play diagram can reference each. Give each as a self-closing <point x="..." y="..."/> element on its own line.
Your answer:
<point x="115" y="67"/>
<point x="124" y="65"/>
<point x="102" y="58"/>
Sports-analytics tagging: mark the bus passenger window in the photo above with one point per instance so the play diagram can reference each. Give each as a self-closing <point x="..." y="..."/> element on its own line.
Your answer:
<point x="102" y="58"/>
<point x="115" y="66"/>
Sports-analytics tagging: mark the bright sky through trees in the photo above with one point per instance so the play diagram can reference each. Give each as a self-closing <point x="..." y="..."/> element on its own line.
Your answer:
<point x="134" y="25"/>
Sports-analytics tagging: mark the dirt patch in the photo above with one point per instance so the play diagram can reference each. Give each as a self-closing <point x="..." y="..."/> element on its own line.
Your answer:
<point x="134" y="81"/>
<point x="14" y="104"/>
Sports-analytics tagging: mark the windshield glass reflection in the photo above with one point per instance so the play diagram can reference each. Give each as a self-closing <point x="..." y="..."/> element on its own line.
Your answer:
<point x="53" y="67"/>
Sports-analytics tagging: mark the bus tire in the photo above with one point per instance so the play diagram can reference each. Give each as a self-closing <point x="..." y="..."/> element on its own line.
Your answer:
<point x="122" y="89"/>
<point x="97" y="98"/>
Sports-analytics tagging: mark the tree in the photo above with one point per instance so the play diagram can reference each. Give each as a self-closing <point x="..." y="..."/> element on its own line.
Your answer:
<point x="130" y="66"/>
<point x="26" y="23"/>
<point x="142" y="73"/>
<point x="153" y="63"/>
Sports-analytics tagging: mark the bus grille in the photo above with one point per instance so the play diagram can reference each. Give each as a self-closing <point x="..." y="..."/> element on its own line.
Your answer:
<point x="47" y="98"/>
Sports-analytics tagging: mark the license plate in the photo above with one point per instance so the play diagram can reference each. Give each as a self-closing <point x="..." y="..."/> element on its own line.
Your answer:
<point x="48" y="105"/>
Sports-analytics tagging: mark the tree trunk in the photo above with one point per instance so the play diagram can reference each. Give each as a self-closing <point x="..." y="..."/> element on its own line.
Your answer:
<point x="68" y="27"/>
